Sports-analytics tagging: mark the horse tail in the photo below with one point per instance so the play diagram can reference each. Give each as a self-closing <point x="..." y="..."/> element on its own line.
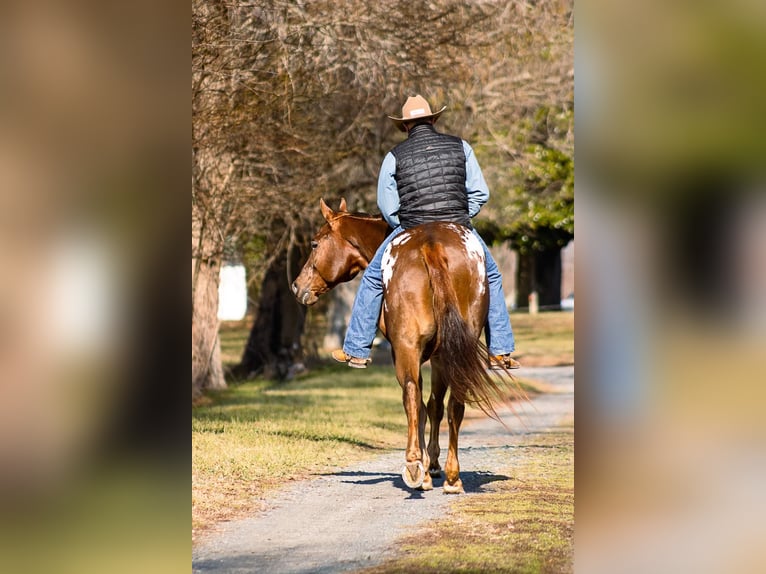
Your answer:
<point x="461" y="353"/>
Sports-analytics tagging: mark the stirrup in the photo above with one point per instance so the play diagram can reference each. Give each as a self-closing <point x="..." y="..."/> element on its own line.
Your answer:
<point x="354" y="362"/>
<point x="502" y="362"/>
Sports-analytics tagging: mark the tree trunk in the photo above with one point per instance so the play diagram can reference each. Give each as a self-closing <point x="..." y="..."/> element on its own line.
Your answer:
<point x="539" y="271"/>
<point x="274" y="346"/>
<point x="207" y="370"/>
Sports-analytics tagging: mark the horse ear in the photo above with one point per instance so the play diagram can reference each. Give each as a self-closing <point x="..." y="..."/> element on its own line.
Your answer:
<point x="342" y="204"/>
<point x="326" y="211"/>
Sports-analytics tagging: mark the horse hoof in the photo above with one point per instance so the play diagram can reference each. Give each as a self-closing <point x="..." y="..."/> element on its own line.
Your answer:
<point x="427" y="484"/>
<point x="413" y="474"/>
<point x="435" y="472"/>
<point x="456" y="488"/>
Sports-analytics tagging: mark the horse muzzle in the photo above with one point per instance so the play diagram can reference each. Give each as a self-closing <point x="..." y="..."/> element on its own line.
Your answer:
<point x="304" y="296"/>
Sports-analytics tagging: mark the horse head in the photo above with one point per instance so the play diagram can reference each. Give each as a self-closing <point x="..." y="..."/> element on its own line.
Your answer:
<point x="342" y="247"/>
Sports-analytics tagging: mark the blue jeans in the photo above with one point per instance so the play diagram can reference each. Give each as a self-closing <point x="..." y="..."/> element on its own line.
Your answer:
<point x="369" y="298"/>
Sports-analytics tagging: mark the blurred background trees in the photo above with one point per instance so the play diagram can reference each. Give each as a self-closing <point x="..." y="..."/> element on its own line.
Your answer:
<point x="289" y="103"/>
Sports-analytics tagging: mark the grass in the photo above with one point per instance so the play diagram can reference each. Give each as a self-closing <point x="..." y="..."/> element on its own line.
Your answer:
<point x="233" y="335"/>
<point x="258" y="435"/>
<point x="522" y="525"/>
<point x="545" y="339"/>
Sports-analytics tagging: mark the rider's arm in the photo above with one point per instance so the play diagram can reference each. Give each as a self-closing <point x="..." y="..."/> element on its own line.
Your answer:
<point x="388" y="195"/>
<point x="476" y="187"/>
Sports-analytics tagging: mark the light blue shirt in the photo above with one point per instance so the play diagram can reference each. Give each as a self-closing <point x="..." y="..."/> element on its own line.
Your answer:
<point x="388" y="195"/>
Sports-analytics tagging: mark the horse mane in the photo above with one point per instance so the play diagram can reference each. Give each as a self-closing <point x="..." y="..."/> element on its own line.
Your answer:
<point x="357" y="215"/>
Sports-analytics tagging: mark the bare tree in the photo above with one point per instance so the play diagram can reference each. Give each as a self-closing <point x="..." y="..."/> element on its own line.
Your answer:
<point x="290" y="103"/>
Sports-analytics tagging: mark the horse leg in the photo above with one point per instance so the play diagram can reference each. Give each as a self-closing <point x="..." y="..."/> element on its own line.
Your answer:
<point x="455" y="411"/>
<point x="422" y="416"/>
<point x="408" y="375"/>
<point x="435" y="416"/>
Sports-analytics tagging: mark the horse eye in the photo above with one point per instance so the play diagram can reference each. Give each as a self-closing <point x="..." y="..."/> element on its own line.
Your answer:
<point x="314" y="244"/>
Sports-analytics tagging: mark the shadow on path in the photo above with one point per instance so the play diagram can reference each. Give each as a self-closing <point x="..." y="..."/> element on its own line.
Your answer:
<point x="473" y="481"/>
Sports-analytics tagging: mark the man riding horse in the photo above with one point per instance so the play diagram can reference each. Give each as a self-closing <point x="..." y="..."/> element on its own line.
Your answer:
<point x="429" y="177"/>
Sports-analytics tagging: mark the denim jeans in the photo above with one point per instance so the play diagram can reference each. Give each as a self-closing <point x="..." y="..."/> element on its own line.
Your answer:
<point x="369" y="298"/>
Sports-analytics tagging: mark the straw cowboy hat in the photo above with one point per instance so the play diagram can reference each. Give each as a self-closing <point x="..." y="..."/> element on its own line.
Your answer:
<point x="415" y="108"/>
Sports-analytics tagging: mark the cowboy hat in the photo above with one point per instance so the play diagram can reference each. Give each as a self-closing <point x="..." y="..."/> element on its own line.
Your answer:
<point x="415" y="108"/>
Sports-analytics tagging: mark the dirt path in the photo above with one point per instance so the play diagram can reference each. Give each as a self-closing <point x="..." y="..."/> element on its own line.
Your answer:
<point x="351" y="519"/>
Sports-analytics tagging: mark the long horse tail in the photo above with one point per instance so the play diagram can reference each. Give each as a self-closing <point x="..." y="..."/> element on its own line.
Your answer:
<point x="462" y="354"/>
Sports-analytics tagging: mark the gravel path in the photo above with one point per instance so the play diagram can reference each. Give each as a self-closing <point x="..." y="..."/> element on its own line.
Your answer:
<point x="351" y="519"/>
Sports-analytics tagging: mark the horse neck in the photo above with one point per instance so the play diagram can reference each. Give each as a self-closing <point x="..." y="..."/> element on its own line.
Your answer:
<point x="366" y="234"/>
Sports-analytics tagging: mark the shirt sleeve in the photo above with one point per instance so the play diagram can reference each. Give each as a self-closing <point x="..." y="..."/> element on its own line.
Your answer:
<point x="388" y="194"/>
<point x="476" y="187"/>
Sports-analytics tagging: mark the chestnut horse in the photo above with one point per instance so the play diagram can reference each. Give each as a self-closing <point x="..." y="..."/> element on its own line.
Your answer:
<point x="434" y="308"/>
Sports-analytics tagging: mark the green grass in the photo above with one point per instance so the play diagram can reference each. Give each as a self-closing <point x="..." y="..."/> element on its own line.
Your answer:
<point x="233" y="336"/>
<point x="523" y="525"/>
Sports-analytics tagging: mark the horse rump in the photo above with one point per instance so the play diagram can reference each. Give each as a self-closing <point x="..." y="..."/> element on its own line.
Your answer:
<point x="459" y="350"/>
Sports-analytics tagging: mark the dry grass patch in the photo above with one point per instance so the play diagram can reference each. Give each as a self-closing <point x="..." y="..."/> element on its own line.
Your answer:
<point x="521" y="525"/>
<point x="545" y="339"/>
<point x="258" y="435"/>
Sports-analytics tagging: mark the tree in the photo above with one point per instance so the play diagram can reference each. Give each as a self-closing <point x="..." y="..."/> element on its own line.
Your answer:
<point x="289" y="105"/>
<point x="207" y="249"/>
<point x="213" y="167"/>
<point x="274" y="345"/>
<point x="537" y="215"/>
<point x="524" y="131"/>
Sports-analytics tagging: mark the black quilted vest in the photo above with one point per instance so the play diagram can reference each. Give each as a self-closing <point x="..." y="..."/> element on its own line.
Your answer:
<point x="430" y="177"/>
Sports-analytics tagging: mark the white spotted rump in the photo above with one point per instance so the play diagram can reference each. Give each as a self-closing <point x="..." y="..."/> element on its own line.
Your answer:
<point x="474" y="251"/>
<point x="389" y="257"/>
